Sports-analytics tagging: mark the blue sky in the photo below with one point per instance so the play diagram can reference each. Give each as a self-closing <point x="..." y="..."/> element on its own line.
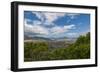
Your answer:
<point x="55" y="24"/>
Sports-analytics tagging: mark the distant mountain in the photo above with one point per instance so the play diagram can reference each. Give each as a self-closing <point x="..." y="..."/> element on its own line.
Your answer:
<point x="49" y="39"/>
<point x="40" y="38"/>
<point x="35" y="38"/>
<point x="27" y="37"/>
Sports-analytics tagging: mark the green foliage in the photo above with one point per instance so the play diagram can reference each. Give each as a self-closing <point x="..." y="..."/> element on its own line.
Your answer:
<point x="39" y="51"/>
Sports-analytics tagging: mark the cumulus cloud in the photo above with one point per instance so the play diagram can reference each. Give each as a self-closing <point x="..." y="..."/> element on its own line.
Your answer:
<point x="35" y="29"/>
<point x="58" y="29"/>
<point x="45" y="25"/>
<point x="42" y="30"/>
<point x="48" y="17"/>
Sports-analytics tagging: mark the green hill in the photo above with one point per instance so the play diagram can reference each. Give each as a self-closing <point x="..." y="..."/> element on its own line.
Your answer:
<point x="39" y="51"/>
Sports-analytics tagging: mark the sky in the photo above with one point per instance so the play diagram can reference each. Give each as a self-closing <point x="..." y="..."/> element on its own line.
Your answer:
<point x="55" y="24"/>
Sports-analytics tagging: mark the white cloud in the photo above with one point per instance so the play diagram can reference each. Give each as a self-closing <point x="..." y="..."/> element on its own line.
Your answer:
<point x="58" y="29"/>
<point x="39" y="15"/>
<point x="73" y="15"/>
<point x="35" y="29"/>
<point x="37" y="22"/>
<point x="42" y="30"/>
<point x="46" y="23"/>
<point x="69" y="26"/>
<point x="48" y="17"/>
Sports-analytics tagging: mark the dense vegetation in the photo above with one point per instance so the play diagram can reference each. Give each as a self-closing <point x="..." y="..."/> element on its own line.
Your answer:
<point x="39" y="51"/>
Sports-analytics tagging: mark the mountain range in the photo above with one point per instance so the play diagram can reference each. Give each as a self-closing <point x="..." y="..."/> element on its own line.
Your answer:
<point x="48" y="39"/>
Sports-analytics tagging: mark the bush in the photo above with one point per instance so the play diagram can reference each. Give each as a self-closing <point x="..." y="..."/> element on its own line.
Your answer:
<point x="39" y="51"/>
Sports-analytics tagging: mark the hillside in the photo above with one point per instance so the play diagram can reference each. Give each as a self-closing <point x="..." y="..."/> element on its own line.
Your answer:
<point x="42" y="51"/>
